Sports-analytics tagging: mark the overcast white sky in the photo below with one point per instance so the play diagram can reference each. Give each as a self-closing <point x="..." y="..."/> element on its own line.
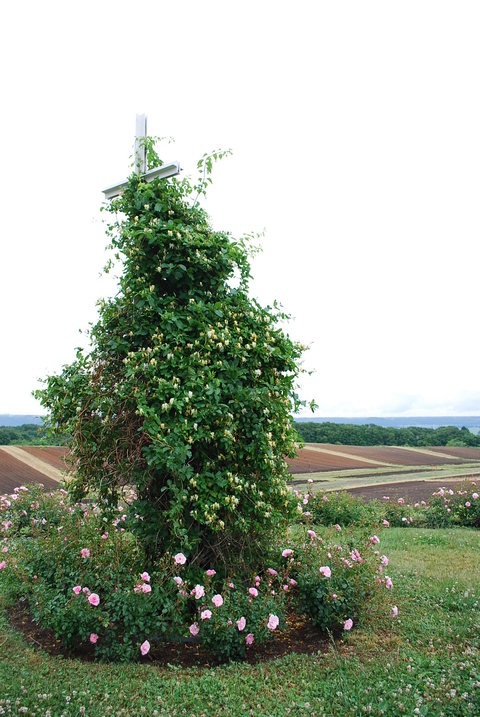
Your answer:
<point x="355" y="128"/>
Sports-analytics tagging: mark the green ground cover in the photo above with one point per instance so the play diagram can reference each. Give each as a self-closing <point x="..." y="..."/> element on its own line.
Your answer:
<point x="424" y="662"/>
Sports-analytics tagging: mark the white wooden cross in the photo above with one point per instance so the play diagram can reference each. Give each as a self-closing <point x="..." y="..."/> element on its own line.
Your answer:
<point x="166" y="170"/>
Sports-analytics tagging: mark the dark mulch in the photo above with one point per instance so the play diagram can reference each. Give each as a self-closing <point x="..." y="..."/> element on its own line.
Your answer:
<point x="299" y="637"/>
<point x="413" y="491"/>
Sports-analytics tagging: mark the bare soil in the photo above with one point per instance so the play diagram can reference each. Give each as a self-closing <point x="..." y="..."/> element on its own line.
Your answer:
<point x="413" y="491"/>
<point x="53" y="455"/>
<point x="14" y="473"/>
<point x="299" y="637"/>
<point x="393" y="454"/>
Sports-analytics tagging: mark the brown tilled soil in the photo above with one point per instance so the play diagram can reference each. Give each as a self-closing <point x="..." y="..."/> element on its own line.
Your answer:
<point x="300" y="638"/>
<point x="465" y="452"/>
<point x="313" y="461"/>
<point x="412" y="491"/>
<point x="14" y="473"/>
<point x="392" y="454"/>
<point x="53" y="455"/>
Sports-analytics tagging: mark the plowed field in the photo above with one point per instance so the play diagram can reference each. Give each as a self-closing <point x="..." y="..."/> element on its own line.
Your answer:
<point x="392" y="454"/>
<point x="14" y="473"/>
<point x="313" y="461"/>
<point x="53" y="455"/>
<point x="413" y="492"/>
<point x="459" y="452"/>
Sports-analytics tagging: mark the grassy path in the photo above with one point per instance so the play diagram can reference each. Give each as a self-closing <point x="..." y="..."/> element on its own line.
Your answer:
<point x="425" y="662"/>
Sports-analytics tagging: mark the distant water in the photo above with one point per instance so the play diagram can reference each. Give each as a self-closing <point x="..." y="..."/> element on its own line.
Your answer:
<point x="10" y="419"/>
<point x="470" y="422"/>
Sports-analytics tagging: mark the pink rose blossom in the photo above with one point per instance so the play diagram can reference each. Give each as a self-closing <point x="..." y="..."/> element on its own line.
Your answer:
<point x="312" y="534"/>
<point x="272" y="571"/>
<point x="217" y="600"/>
<point x="292" y="581"/>
<point x="93" y="599"/>
<point x="93" y="638"/>
<point x="374" y="539"/>
<point x="210" y="573"/>
<point x="145" y="576"/>
<point x="198" y="591"/>
<point x="475" y="496"/>
<point x="180" y="559"/>
<point x="335" y="596"/>
<point x="338" y="527"/>
<point x="77" y="589"/>
<point x="388" y="582"/>
<point x="273" y="621"/>
<point x="206" y="614"/>
<point x="231" y="585"/>
<point x="287" y="552"/>
<point x="384" y="560"/>
<point x="194" y="629"/>
<point x="386" y="523"/>
<point x="249" y="638"/>
<point x="3" y="565"/>
<point x="146" y="588"/>
<point x="348" y="624"/>
<point x="85" y="553"/>
<point x="467" y="504"/>
<point x="394" y="611"/>
<point x="241" y="624"/>
<point x="178" y="580"/>
<point x="325" y="571"/>
<point x="145" y="647"/>
<point x="253" y="592"/>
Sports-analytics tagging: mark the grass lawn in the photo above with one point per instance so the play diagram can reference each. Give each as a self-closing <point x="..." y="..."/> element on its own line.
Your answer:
<point x="424" y="662"/>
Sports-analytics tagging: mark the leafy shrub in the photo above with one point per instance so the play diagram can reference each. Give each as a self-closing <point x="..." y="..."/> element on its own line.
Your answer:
<point x="343" y="509"/>
<point x="188" y="389"/>
<point x="336" y="582"/>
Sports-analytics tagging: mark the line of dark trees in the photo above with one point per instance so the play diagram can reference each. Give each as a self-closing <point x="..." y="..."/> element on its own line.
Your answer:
<point x="372" y="435"/>
<point x="29" y="434"/>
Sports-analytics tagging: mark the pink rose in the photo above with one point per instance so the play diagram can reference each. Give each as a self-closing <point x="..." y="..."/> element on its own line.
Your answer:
<point x="374" y="539"/>
<point x="217" y="600"/>
<point x="348" y="624"/>
<point x="206" y="614"/>
<point x="146" y="577"/>
<point x="194" y="629"/>
<point x="93" y="599"/>
<point x="312" y="534"/>
<point x="77" y="589"/>
<point x="338" y="527"/>
<point x="210" y="573"/>
<point x="394" y="611"/>
<point x="253" y="592"/>
<point x="93" y="638"/>
<point x="467" y="504"/>
<point x="287" y="552"/>
<point x="475" y="496"/>
<point x="273" y="621"/>
<point x="272" y="571"/>
<point x="388" y="582"/>
<point x="386" y="523"/>
<point x="384" y="560"/>
<point x="325" y="571"/>
<point x="146" y="588"/>
<point x="241" y="624"/>
<point x="198" y="591"/>
<point x="249" y="638"/>
<point x="180" y="559"/>
<point x="3" y="565"/>
<point x="145" y="647"/>
<point x="178" y="580"/>
<point x="85" y="553"/>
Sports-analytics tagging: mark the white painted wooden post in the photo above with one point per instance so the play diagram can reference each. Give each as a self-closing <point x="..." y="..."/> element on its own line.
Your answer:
<point x="140" y="148"/>
<point x="140" y="162"/>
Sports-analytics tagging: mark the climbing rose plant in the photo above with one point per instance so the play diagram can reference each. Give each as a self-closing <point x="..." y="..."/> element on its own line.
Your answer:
<point x="188" y="388"/>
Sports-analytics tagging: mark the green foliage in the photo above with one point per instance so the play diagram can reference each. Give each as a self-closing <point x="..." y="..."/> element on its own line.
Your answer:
<point x="336" y="582"/>
<point x="29" y="434"/>
<point x="188" y="389"/>
<point x="373" y="435"/>
<point x="344" y="509"/>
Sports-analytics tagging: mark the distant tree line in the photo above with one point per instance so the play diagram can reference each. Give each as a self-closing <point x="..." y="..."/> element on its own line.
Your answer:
<point x="372" y="435"/>
<point x="29" y="434"/>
